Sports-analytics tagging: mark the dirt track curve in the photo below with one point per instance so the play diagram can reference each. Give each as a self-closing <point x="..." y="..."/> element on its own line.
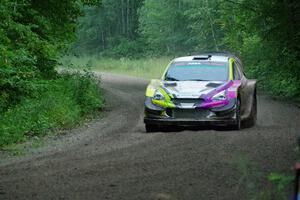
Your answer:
<point x="113" y="158"/>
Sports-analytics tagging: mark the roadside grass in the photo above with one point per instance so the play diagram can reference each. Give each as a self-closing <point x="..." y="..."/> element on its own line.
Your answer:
<point x="31" y="143"/>
<point x="144" y="67"/>
<point x="259" y="185"/>
<point x="56" y="104"/>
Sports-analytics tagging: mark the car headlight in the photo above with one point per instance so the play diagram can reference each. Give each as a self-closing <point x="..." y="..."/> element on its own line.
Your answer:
<point x="220" y="96"/>
<point x="158" y="95"/>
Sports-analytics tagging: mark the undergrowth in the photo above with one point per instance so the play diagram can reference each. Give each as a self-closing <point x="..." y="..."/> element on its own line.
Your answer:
<point x="55" y="104"/>
<point x="255" y="184"/>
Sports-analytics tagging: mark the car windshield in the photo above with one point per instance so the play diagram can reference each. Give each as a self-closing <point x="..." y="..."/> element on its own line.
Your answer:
<point x="197" y="71"/>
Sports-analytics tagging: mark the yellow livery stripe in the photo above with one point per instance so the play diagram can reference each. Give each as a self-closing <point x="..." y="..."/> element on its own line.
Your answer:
<point x="231" y="70"/>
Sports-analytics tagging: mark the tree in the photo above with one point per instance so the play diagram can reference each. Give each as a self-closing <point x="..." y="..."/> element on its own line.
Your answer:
<point x="164" y="26"/>
<point x="32" y="33"/>
<point x="109" y="26"/>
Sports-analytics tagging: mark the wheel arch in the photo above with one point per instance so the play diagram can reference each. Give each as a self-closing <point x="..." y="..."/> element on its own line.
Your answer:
<point x="247" y="96"/>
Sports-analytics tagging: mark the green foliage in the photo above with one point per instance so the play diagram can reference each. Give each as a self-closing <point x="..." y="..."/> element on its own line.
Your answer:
<point x="85" y="92"/>
<point x="250" y="180"/>
<point x="204" y="25"/>
<point x="281" y="182"/>
<point x="256" y="31"/>
<point x="126" y="49"/>
<point x="109" y="29"/>
<point x="161" y="25"/>
<point x="33" y="97"/>
<point x="58" y="103"/>
<point x="256" y="184"/>
<point x="32" y="33"/>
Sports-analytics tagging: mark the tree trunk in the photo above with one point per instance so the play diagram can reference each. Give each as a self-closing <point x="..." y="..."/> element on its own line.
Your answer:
<point x="123" y="18"/>
<point x="127" y="18"/>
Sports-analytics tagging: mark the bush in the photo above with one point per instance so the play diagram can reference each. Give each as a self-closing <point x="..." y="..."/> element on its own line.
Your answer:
<point x="276" y="70"/>
<point x="56" y="104"/>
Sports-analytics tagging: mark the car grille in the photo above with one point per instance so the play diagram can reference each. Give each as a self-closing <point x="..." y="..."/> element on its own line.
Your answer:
<point x="190" y="113"/>
<point x="194" y="101"/>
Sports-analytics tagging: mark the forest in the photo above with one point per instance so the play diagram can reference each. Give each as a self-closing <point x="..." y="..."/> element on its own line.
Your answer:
<point x="35" y="35"/>
<point x="265" y="34"/>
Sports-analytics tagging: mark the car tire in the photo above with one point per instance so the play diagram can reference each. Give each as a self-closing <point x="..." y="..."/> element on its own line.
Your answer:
<point x="150" y="128"/>
<point x="238" y="123"/>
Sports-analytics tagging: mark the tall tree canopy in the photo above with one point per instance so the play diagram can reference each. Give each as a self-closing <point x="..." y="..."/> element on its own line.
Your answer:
<point x="112" y="25"/>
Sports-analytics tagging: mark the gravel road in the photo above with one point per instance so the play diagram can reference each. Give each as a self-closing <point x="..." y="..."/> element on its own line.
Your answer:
<point x="113" y="157"/>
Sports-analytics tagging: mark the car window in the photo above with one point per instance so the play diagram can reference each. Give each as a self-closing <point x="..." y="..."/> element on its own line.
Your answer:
<point x="198" y="71"/>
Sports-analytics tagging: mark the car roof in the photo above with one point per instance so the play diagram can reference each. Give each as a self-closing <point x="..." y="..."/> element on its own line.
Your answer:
<point x="215" y="57"/>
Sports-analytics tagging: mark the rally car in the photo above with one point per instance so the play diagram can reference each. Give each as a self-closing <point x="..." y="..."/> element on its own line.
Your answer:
<point x="205" y="89"/>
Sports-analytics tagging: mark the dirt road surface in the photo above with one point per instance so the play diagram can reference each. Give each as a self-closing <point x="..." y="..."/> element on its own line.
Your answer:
<point x="113" y="157"/>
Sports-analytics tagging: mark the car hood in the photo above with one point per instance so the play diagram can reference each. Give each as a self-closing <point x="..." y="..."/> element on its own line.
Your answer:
<point x="191" y="89"/>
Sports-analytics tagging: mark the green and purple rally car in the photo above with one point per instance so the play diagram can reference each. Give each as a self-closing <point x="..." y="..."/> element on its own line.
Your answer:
<point x="206" y="89"/>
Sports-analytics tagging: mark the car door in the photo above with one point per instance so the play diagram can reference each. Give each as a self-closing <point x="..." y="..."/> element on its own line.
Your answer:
<point x="239" y="75"/>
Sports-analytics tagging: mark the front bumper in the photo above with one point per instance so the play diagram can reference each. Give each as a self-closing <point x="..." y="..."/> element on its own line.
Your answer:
<point x="188" y="122"/>
<point x="225" y="115"/>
